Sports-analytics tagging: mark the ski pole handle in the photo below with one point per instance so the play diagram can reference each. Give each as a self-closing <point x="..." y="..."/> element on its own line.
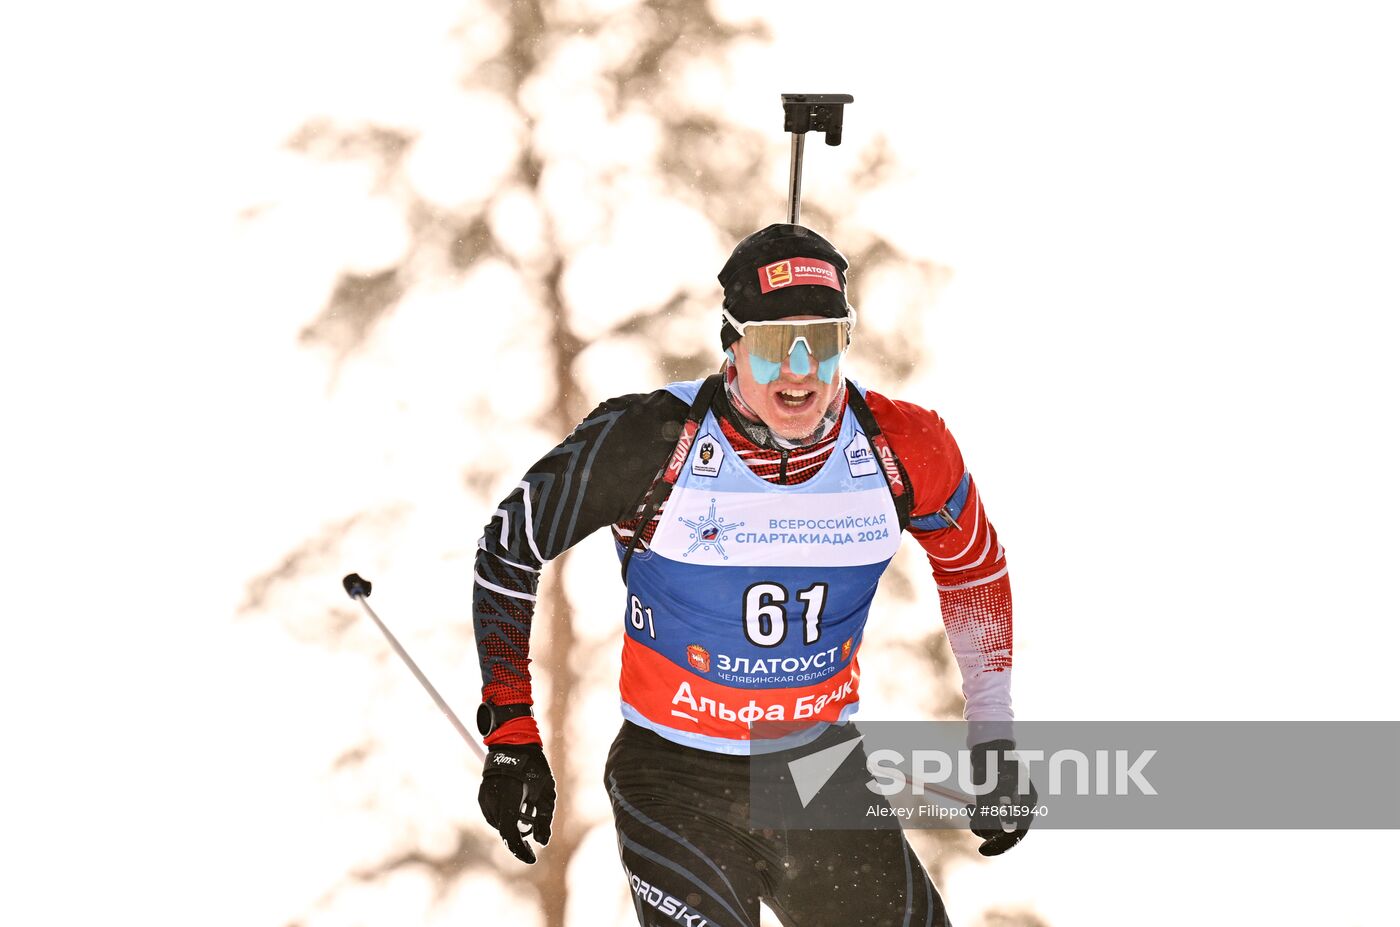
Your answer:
<point x="803" y="113"/>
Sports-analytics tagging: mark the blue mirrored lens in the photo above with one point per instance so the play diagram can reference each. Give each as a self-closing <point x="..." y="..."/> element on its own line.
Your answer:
<point x="764" y="371"/>
<point x="827" y="368"/>
<point x="800" y="360"/>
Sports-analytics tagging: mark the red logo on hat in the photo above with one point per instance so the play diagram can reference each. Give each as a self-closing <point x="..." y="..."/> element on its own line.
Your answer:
<point x="797" y="271"/>
<point x="779" y="274"/>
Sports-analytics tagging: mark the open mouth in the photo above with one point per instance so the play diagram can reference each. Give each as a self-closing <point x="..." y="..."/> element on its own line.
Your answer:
<point x="796" y="398"/>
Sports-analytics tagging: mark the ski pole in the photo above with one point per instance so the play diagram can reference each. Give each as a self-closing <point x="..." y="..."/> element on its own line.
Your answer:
<point x="795" y="179"/>
<point x="803" y="113"/>
<point x="358" y="589"/>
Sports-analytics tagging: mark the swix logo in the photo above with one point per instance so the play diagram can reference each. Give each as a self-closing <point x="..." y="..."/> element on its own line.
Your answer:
<point x="505" y="759"/>
<point x="779" y="274"/>
<point x="698" y="657"/>
<point x="887" y="461"/>
<point x="682" y="451"/>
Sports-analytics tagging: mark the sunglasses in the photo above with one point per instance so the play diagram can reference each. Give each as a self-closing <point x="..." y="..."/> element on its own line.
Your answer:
<point x="774" y="341"/>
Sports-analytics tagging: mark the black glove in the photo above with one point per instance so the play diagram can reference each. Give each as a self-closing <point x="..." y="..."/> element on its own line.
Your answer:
<point x="1000" y="831"/>
<point x="517" y="789"/>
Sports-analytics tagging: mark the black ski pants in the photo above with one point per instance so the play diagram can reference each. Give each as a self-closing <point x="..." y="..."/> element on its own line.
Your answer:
<point x="694" y="860"/>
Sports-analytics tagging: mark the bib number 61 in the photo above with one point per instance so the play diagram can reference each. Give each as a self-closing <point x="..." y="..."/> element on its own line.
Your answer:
<point x="766" y="619"/>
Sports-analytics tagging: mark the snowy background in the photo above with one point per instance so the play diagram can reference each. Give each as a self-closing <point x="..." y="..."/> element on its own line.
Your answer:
<point x="1148" y="249"/>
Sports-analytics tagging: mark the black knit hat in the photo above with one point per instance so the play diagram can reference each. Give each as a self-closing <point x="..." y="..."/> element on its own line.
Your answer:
<point x="782" y="271"/>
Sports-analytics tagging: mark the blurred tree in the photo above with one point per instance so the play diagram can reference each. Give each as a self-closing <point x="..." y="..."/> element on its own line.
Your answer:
<point x="605" y="124"/>
<point x="1011" y="918"/>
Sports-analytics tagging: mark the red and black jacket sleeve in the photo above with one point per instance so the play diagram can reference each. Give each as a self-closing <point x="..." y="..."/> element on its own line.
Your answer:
<point x="593" y="478"/>
<point x="967" y="560"/>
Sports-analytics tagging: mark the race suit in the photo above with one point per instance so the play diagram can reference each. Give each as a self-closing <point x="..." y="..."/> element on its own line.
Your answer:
<point x="747" y="596"/>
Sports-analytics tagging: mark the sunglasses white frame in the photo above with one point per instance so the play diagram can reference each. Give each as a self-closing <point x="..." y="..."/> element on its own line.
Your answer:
<point x="739" y="327"/>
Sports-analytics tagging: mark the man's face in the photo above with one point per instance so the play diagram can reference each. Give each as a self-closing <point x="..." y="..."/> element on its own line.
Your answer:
<point x="791" y="405"/>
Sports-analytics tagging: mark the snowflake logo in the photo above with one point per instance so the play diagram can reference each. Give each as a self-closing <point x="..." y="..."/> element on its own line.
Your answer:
<point x="707" y="532"/>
